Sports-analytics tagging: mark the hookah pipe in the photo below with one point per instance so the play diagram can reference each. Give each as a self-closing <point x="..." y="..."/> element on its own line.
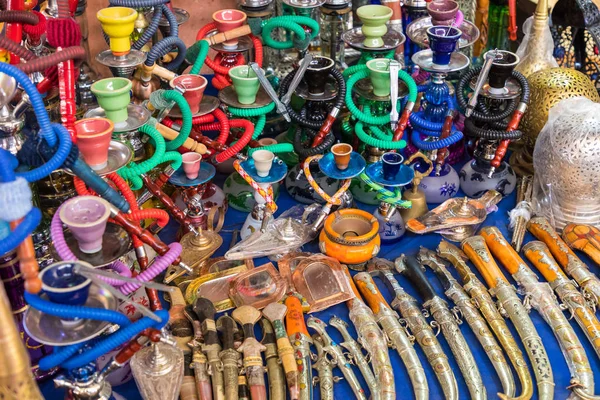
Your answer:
<point x="482" y="114"/>
<point x="267" y="194"/>
<point x="512" y="20"/>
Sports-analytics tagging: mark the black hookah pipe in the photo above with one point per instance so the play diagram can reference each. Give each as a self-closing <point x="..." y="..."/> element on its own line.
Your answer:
<point x="484" y="123"/>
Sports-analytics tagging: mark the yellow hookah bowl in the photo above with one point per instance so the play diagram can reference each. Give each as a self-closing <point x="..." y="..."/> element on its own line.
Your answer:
<point x="118" y="24"/>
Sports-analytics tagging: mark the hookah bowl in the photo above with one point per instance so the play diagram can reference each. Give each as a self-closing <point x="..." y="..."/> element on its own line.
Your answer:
<point x="374" y="19"/>
<point x="442" y="12"/>
<point x="193" y="86"/>
<point x="118" y="24"/>
<point x="277" y="170"/>
<point x="391" y="173"/>
<point x="351" y="236"/>
<point x="548" y="87"/>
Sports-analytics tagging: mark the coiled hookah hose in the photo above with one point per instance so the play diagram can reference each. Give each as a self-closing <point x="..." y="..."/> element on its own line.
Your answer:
<point x="489" y="123"/>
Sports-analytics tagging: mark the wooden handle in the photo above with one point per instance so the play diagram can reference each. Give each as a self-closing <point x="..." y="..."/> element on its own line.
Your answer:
<point x="584" y="238"/>
<point x="189" y="143"/>
<point x="28" y="263"/>
<point x="539" y="255"/>
<point x="243" y="30"/>
<point x="294" y="319"/>
<point x="369" y="291"/>
<point x="475" y="248"/>
<point x="286" y="354"/>
<point x="165" y="199"/>
<point x="541" y="229"/>
<point x="163" y="73"/>
<point x="143" y="234"/>
<point x="501" y="249"/>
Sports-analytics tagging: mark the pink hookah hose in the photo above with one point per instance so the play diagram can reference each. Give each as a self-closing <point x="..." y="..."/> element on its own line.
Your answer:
<point x="160" y="263"/>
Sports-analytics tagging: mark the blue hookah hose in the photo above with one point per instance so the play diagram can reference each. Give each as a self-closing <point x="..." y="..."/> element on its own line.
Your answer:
<point x="421" y="125"/>
<point x="64" y="356"/>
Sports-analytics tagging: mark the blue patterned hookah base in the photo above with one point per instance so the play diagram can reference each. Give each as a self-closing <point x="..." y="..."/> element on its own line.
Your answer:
<point x="356" y="166"/>
<point x="404" y="176"/>
<point x="206" y="173"/>
<point x="277" y="172"/>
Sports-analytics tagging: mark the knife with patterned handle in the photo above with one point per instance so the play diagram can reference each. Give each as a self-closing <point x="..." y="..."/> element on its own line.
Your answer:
<point x="323" y="367"/>
<point x="510" y="304"/>
<point x="471" y="314"/>
<point x="301" y="341"/>
<point x="274" y="369"/>
<point x="199" y="361"/>
<point x="230" y="357"/>
<point x="206" y="311"/>
<point x="483" y="301"/>
<point x="247" y="317"/>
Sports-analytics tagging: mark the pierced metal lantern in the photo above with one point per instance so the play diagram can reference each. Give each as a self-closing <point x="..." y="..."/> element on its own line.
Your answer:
<point x="576" y="33"/>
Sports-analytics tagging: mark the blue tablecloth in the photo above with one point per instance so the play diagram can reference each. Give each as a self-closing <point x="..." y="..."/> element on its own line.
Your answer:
<point x="409" y="244"/>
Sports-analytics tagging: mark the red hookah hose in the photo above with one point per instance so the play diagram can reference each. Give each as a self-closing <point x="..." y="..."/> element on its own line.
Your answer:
<point x="19" y="16"/>
<point x="206" y="119"/>
<point x="42" y="63"/>
<point x="237" y="146"/>
<point x="15" y="48"/>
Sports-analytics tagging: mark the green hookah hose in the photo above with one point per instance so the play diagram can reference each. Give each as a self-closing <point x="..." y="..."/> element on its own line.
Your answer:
<point x="260" y="112"/>
<point x="274" y="148"/>
<point x="202" y="54"/>
<point x="394" y="198"/>
<point x="293" y="23"/>
<point x="132" y="171"/>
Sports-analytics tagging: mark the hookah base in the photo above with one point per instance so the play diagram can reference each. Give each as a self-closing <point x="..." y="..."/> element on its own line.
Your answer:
<point x="474" y="180"/>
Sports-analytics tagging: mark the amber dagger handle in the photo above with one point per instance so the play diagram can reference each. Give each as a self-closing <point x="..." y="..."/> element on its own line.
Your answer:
<point x="294" y="319"/>
<point x="539" y="255"/>
<point x="541" y="229"/>
<point x="501" y="249"/>
<point x="584" y="238"/>
<point x="479" y="254"/>
<point x="371" y="293"/>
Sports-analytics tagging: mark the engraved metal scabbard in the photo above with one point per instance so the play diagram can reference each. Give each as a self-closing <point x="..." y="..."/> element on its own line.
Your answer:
<point x="230" y="360"/>
<point x="323" y="367"/>
<point x="371" y="337"/>
<point x="356" y="356"/>
<point x="567" y="259"/>
<point x="475" y="320"/>
<point x="397" y="334"/>
<point x="411" y="313"/>
<point x="458" y="345"/>
<point x="199" y="365"/>
<point x="579" y="307"/>
<point x="510" y="304"/>
<point x="483" y="301"/>
<point x="274" y="367"/>
<point x="335" y="352"/>
<point x="253" y="365"/>
<point x="540" y="296"/>
<point x="301" y="344"/>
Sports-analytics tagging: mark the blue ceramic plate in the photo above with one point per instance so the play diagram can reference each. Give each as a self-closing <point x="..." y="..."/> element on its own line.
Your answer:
<point x="277" y="173"/>
<point x="356" y="166"/>
<point x="207" y="171"/>
<point x="404" y="176"/>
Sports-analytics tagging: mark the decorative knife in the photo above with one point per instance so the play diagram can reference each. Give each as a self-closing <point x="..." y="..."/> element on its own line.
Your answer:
<point x="335" y="352"/>
<point x="275" y="313"/>
<point x="274" y="368"/>
<point x="205" y="310"/>
<point x="471" y="314"/>
<point x="199" y="361"/>
<point x="247" y="317"/>
<point x="511" y="305"/>
<point x="301" y="341"/>
<point x="230" y="357"/>
<point x="447" y="321"/>
<point x="323" y="367"/>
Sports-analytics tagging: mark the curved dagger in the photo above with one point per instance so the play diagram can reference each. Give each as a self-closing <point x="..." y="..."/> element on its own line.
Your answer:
<point x="388" y="320"/>
<point x="335" y="352"/>
<point x="356" y="354"/>
<point x="584" y="238"/>
<point x="542" y="298"/>
<point x="539" y="255"/>
<point x="323" y="367"/>
<point x="572" y="265"/>
<point x="274" y="368"/>
<point x="206" y="311"/>
<point x="301" y="341"/>
<point x="477" y="251"/>
<point x="483" y="301"/>
<point x="411" y="269"/>
<point x="199" y="361"/>
<point x="410" y="311"/>
<point x="454" y="291"/>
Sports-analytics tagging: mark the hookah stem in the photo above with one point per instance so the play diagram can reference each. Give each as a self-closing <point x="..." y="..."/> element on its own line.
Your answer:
<point x="274" y="369"/>
<point x="199" y="360"/>
<point x="357" y="356"/>
<point x="408" y="308"/>
<point x="448" y="325"/>
<point x="471" y="314"/>
<point x="300" y="340"/>
<point x="14" y="31"/>
<point x="323" y="366"/>
<point x="478" y="252"/>
<point x="512" y="20"/>
<point x="166" y="200"/>
<point x="205" y="310"/>
<point x="539" y="255"/>
<point x="28" y="262"/>
<point x="571" y="264"/>
<point x="230" y="357"/>
<point x="443" y="153"/>
<point x="66" y="84"/>
<point x="483" y="301"/>
<point x="397" y="334"/>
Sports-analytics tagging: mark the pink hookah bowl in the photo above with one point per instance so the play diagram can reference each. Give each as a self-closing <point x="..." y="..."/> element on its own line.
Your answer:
<point x="86" y="218"/>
